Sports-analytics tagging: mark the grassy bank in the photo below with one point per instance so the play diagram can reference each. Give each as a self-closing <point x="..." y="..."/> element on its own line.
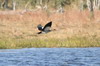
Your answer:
<point x="19" y="29"/>
<point x="50" y="42"/>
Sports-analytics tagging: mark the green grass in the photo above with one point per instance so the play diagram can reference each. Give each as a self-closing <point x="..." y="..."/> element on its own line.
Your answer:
<point x="50" y="42"/>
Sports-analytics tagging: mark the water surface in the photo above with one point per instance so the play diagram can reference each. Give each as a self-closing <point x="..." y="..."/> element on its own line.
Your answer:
<point x="50" y="57"/>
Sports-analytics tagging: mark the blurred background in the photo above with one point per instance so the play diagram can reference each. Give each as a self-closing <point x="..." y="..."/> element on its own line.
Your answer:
<point x="76" y="23"/>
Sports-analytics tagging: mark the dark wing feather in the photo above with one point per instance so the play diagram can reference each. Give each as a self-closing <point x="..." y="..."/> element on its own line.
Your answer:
<point x="47" y="27"/>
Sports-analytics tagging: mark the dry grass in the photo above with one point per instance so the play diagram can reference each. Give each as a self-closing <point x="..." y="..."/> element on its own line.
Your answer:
<point x="73" y="29"/>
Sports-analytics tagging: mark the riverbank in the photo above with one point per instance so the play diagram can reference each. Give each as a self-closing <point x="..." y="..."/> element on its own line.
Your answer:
<point x="18" y="29"/>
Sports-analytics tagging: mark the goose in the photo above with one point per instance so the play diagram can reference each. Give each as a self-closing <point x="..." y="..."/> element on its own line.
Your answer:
<point x="44" y="29"/>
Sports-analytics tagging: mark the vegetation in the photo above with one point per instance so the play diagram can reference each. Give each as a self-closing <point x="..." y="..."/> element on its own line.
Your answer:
<point x="50" y="42"/>
<point x="31" y="4"/>
<point x="75" y="24"/>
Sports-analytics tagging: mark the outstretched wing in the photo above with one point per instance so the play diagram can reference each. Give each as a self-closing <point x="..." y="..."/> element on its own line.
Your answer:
<point x="47" y="27"/>
<point x="40" y="27"/>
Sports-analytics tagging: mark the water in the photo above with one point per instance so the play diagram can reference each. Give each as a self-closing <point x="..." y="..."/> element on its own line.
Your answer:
<point x="50" y="57"/>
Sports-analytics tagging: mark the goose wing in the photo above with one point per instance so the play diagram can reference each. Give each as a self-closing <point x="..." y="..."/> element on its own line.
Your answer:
<point x="47" y="27"/>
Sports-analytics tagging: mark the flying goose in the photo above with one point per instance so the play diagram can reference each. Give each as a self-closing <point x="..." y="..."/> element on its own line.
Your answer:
<point x="44" y="29"/>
